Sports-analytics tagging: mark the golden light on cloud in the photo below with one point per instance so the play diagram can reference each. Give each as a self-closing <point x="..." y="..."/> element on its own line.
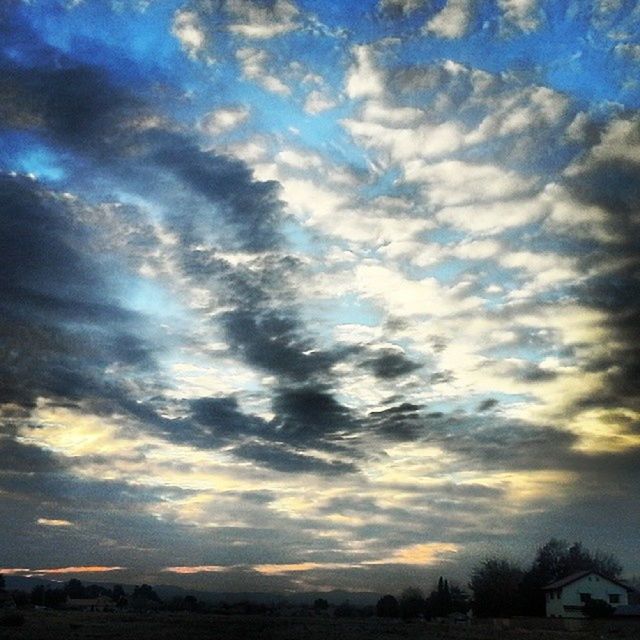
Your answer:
<point x="61" y="570"/>
<point x="51" y="522"/>
<point x="606" y="430"/>
<point x="205" y="568"/>
<point x="420" y="554"/>
<point x="278" y="569"/>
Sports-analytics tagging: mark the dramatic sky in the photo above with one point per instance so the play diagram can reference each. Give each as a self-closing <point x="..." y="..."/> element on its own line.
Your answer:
<point x="309" y="294"/>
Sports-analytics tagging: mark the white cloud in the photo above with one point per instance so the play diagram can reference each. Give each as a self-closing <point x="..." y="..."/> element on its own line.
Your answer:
<point x="188" y="29"/>
<point x="254" y="67"/>
<point x="224" y="119"/>
<point x="262" y="20"/>
<point x="453" y="21"/>
<point x="364" y="78"/>
<point x="454" y="183"/>
<point x="521" y="13"/>
<point x="402" y="144"/>
<point x="318" y="101"/>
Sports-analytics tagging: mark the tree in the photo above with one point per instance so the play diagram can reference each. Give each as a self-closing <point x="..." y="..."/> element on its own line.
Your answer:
<point x="388" y="607"/>
<point x="74" y="589"/>
<point x="320" y="604"/>
<point x="495" y="584"/>
<point x="1" y="582"/>
<point x="411" y="603"/>
<point x="145" y="592"/>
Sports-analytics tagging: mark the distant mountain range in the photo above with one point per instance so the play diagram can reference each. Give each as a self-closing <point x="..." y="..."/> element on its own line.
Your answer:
<point x="168" y="592"/>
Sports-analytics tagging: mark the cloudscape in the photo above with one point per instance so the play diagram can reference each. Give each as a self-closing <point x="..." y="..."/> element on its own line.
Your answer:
<point x="307" y="295"/>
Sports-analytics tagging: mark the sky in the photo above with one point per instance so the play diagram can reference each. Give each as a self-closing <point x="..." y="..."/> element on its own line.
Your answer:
<point x="308" y="295"/>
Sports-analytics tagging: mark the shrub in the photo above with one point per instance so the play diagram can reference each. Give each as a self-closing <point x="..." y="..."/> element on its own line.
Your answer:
<point x="12" y="619"/>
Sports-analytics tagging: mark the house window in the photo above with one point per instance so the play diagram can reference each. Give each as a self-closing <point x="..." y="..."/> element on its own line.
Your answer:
<point x="614" y="598"/>
<point x="585" y="597"/>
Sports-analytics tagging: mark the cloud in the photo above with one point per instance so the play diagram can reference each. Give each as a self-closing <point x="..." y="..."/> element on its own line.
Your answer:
<point x="224" y="119"/>
<point x="187" y="28"/>
<point x="254" y="67"/>
<point x="521" y="13"/>
<point x="399" y="8"/>
<point x="262" y="20"/>
<point x="52" y="522"/>
<point x="363" y="78"/>
<point x="391" y="364"/>
<point x="286" y="460"/>
<point x="419" y="554"/>
<point x="318" y="101"/>
<point x="453" y="21"/>
<point x="73" y="570"/>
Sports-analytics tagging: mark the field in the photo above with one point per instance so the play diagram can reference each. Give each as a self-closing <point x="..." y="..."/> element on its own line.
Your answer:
<point x="50" y="625"/>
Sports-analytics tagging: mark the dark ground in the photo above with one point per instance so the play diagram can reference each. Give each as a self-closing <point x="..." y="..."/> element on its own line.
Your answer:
<point x="61" y="625"/>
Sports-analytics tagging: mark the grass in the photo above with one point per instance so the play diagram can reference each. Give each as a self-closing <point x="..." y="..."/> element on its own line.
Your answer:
<point x="68" y="625"/>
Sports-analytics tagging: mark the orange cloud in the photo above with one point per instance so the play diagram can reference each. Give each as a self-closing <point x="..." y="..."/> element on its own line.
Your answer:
<point x="204" y="568"/>
<point x="59" y="570"/>
<point x="49" y="522"/>
<point x="419" y="554"/>
<point x="277" y="569"/>
<point x="87" y="569"/>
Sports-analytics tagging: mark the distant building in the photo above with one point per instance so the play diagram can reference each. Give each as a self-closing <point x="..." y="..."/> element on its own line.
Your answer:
<point x="101" y="603"/>
<point x="566" y="598"/>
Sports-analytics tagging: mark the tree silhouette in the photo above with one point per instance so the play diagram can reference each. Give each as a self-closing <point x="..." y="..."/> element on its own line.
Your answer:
<point x="387" y="607"/>
<point x="74" y="589"/>
<point x="495" y="584"/>
<point x="411" y="603"/>
<point x="2" y="583"/>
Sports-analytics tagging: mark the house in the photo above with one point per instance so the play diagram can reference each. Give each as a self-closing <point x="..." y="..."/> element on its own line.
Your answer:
<point x="101" y="603"/>
<point x="566" y="598"/>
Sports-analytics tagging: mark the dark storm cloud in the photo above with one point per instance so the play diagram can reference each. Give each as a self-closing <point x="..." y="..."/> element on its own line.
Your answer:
<point x="402" y="422"/>
<point x="391" y="364"/>
<point x="272" y="339"/>
<point x="224" y="416"/>
<point x="488" y="442"/>
<point x="311" y="415"/>
<point x="487" y="404"/>
<point x="483" y="441"/>
<point x="613" y="183"/>
<point x="82" y="109"/>
<point x="281" y="458"/>
<point x="60" y="327"/>
<point x="26" y="458"/>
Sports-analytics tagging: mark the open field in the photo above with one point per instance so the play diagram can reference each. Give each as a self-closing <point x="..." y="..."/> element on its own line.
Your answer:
<point x="54" y="625"/>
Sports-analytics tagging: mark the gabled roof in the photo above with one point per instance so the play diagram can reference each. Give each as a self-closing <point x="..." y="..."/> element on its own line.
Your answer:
<point x="583" y="574"/>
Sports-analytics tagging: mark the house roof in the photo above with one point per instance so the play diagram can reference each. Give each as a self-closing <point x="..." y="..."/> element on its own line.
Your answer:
<point x="582" y="574"/>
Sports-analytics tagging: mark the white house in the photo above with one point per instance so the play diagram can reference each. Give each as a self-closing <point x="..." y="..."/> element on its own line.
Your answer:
<point x="566" y="598"/>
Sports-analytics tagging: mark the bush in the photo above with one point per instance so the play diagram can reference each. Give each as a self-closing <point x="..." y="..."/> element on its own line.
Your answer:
<point x="12" y="619"/>
<point x="598" y="609"/>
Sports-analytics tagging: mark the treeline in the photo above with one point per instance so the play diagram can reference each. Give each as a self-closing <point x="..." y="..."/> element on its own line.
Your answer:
<point x="57" y="597"/>
<point x="441" y="602"/>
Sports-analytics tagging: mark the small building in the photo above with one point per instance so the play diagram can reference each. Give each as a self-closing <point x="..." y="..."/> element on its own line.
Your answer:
<point x="566" y="598"/>
<point x="101" y="603"/>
